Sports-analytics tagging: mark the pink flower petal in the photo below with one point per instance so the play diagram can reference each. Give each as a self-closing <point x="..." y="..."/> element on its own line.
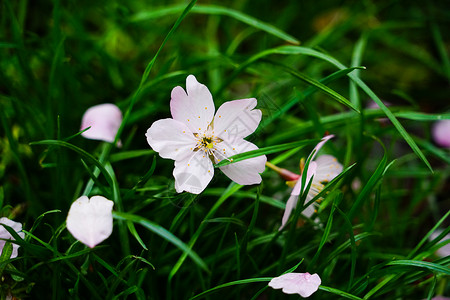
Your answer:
<point x="246" y="171"/>
<point x="171" y="139"/>
<point x="441" y="133"/>
<point x="194" y="108"/>
<point x="90" y="220"/>
<point x="193" y="173"/>
<point x="320" y="145"/>
<point x="104" y="120"/>
<point x="327" y="168"/>
<point x="236" y="119"/>
<point x="4" y="234"/>
<point x="296" y="191"/>
<point x="444" y="250"/>
<point x="303" y="284"/>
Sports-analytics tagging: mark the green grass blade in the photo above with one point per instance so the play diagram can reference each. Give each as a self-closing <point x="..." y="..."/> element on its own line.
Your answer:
<point x="82" y="153"/>
<point x="217" y="10"/>
<point x="421" y="264"/>
<point x="237" y="282"/>
<point x="419" y="116"/>
<point x="338" y="292"/>
<point x="165" y="234"/>
<point x="296" y="50"/>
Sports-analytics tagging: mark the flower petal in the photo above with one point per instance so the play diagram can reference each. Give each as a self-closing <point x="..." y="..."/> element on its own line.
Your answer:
<point x="193" y="173"/>
<point x="303" y="284"/>
<point x="290" y="204"/>
<point x="296" y="191"/>
<point x="236" y="119"/>
<point x="327" y="168"/>
<point x="441" y="133"/>
<point x="320" y="145"/>
<point x="4" y="234"/>
<point x="246" y="171"/>
<point x="171" y="139"/>
<point x="194" y="108"/>
<point x="104" y="120"/>
<point x="90" y="220"/>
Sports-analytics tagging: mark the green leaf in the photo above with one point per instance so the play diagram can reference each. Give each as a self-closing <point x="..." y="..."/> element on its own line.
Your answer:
<point x="80" y="151"/>
<point x="338" y="292"/>
<point x="162" y="232"/>
<point x="421" y="264"/>
<point x="237" y="282"/>
<point x="216" y="10"/>
<point x="295" y="50"/>
<point x="419" y="116"/>
<point x="318" y="85"/>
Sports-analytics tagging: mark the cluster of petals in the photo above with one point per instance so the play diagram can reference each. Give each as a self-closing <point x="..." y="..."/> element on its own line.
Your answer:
<point x="303" y="284"/>
<point x="104" y="121"/>
<point x="441" y="133"/>
<point x="90" y="220"/>
<point x="5" y="235"/>
<point x="322" y="170"/>
<point x="196" y="137"/>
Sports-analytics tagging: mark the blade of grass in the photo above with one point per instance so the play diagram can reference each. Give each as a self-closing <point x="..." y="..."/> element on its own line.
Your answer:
<point x="217" y="10"/>
<point x="165" y="234"/>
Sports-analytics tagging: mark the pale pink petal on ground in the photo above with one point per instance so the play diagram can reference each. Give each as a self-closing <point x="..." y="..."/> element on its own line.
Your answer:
<point x="171" y="139"/>
<point x="327" y="168"/>
<point x="193" y="173"/>
<point x="303" y="284"/>
<point x="194" y="108"/>
<point x="236" y="119"/>
<point x="90" y="220"/>
<point x="4" y="234"/>
<point x="320" y="145"/>
<point x="444" y="250"/>
<point x="441" y="133"/>
<point x="104" y="120"/>
<point x="243" y="172"/>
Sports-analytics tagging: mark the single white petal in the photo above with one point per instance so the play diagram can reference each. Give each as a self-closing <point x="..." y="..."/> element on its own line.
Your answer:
<point x="303" y="284"/>
<point x="296" y="191"/>
<point x="320" y="145"/>
<point x="4" y="234"/>
<point x="236" y="119"/>
<point x="327" y="168"/>
<point x="243" y="172"/>
<point x="291" y="203"/>
<point x="104" y="120"/>
<point x="193" y="173"/>
<point x="171" y="139"/>
<point x="90" y="220"/>
<point x="194" y="108"/>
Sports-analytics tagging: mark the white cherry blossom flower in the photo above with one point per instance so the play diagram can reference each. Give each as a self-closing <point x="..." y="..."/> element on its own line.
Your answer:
<point x="303" y="284"/>
<point x="195" y="137"/>
<point x="104" y="120"/>
<point x="90" y="220"/>
<point x="324" y="169"/>
<point x="4" y="234"/>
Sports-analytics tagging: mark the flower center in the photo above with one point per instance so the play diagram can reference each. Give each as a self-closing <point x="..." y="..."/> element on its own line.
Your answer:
<point x="207" y="143"/>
